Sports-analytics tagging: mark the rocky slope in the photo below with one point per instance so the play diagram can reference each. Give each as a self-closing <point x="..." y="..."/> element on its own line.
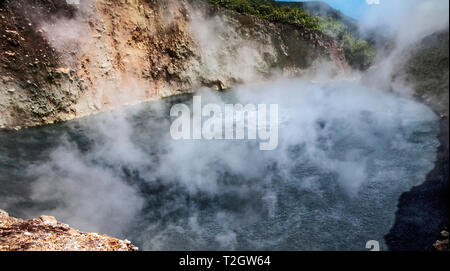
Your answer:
<point x="60" y="61"/>
<point x="426" y="67"/>
<point x="47" y="234"/>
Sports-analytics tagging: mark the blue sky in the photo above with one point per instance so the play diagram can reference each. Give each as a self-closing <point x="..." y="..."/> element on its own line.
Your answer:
<point x="352" y="8"/>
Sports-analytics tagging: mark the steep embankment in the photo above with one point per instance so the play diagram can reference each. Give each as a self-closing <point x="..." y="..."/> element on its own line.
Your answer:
<point x="60" y="61"/>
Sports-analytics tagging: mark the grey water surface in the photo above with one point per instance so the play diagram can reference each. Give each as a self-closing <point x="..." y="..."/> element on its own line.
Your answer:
<point x="345" y="155"/>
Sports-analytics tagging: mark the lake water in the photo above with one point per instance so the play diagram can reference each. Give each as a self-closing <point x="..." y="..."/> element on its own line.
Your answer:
<point x="346" y="153"/>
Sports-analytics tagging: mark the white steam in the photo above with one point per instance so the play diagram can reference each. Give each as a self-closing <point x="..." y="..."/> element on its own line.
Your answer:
<point x="335" y="137"/>
<point x="227" y="52"/>
<point x="408" y="21"/>
<point x="405" y="23"/>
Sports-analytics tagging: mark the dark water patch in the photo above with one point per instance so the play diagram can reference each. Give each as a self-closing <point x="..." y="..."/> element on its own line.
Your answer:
<point x="424" y="211"/>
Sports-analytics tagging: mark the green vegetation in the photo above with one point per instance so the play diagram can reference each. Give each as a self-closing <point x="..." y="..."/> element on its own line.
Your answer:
<point x="268" y="9"/>
<point x="359" y="53"/>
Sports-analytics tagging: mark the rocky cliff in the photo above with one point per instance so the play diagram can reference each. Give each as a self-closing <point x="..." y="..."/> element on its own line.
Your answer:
<point x="47" y="234"/>
<point x="60" y="60"/>
<point x="425" y="66"/>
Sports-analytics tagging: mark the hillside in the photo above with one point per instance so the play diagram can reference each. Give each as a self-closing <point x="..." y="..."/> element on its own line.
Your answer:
<point x="62" y="61"/>
<point x="322" y="9"/>
<point x="359" y="53"/>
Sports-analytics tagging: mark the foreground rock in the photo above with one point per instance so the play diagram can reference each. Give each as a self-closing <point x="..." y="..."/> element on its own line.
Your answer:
<point x="47" y="234"/>
<point x="442" y="245"/>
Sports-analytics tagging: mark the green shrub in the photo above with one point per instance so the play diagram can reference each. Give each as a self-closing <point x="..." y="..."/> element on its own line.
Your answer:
<point x="268" y="10"/>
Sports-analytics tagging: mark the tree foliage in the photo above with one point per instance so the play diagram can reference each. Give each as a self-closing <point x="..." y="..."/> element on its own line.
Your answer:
<point x="359" y="53"/>
<point x="267" y="9"/>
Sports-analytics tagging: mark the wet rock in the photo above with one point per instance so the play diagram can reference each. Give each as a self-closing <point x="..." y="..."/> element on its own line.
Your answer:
<point x="442" y="245"/>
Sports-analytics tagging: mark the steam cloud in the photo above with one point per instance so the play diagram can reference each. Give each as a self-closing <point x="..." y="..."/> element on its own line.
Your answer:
<point x="123" y="174"/>
<point x="408" y="21"/>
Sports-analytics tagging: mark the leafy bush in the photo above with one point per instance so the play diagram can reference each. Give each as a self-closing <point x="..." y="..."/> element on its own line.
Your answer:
<point x="359" y="53"/>
<point x="267" y="9"/>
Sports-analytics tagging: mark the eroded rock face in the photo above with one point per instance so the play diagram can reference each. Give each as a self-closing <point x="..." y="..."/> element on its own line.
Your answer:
<point x="60" y="61"/>
<point x="47" y="234"/>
